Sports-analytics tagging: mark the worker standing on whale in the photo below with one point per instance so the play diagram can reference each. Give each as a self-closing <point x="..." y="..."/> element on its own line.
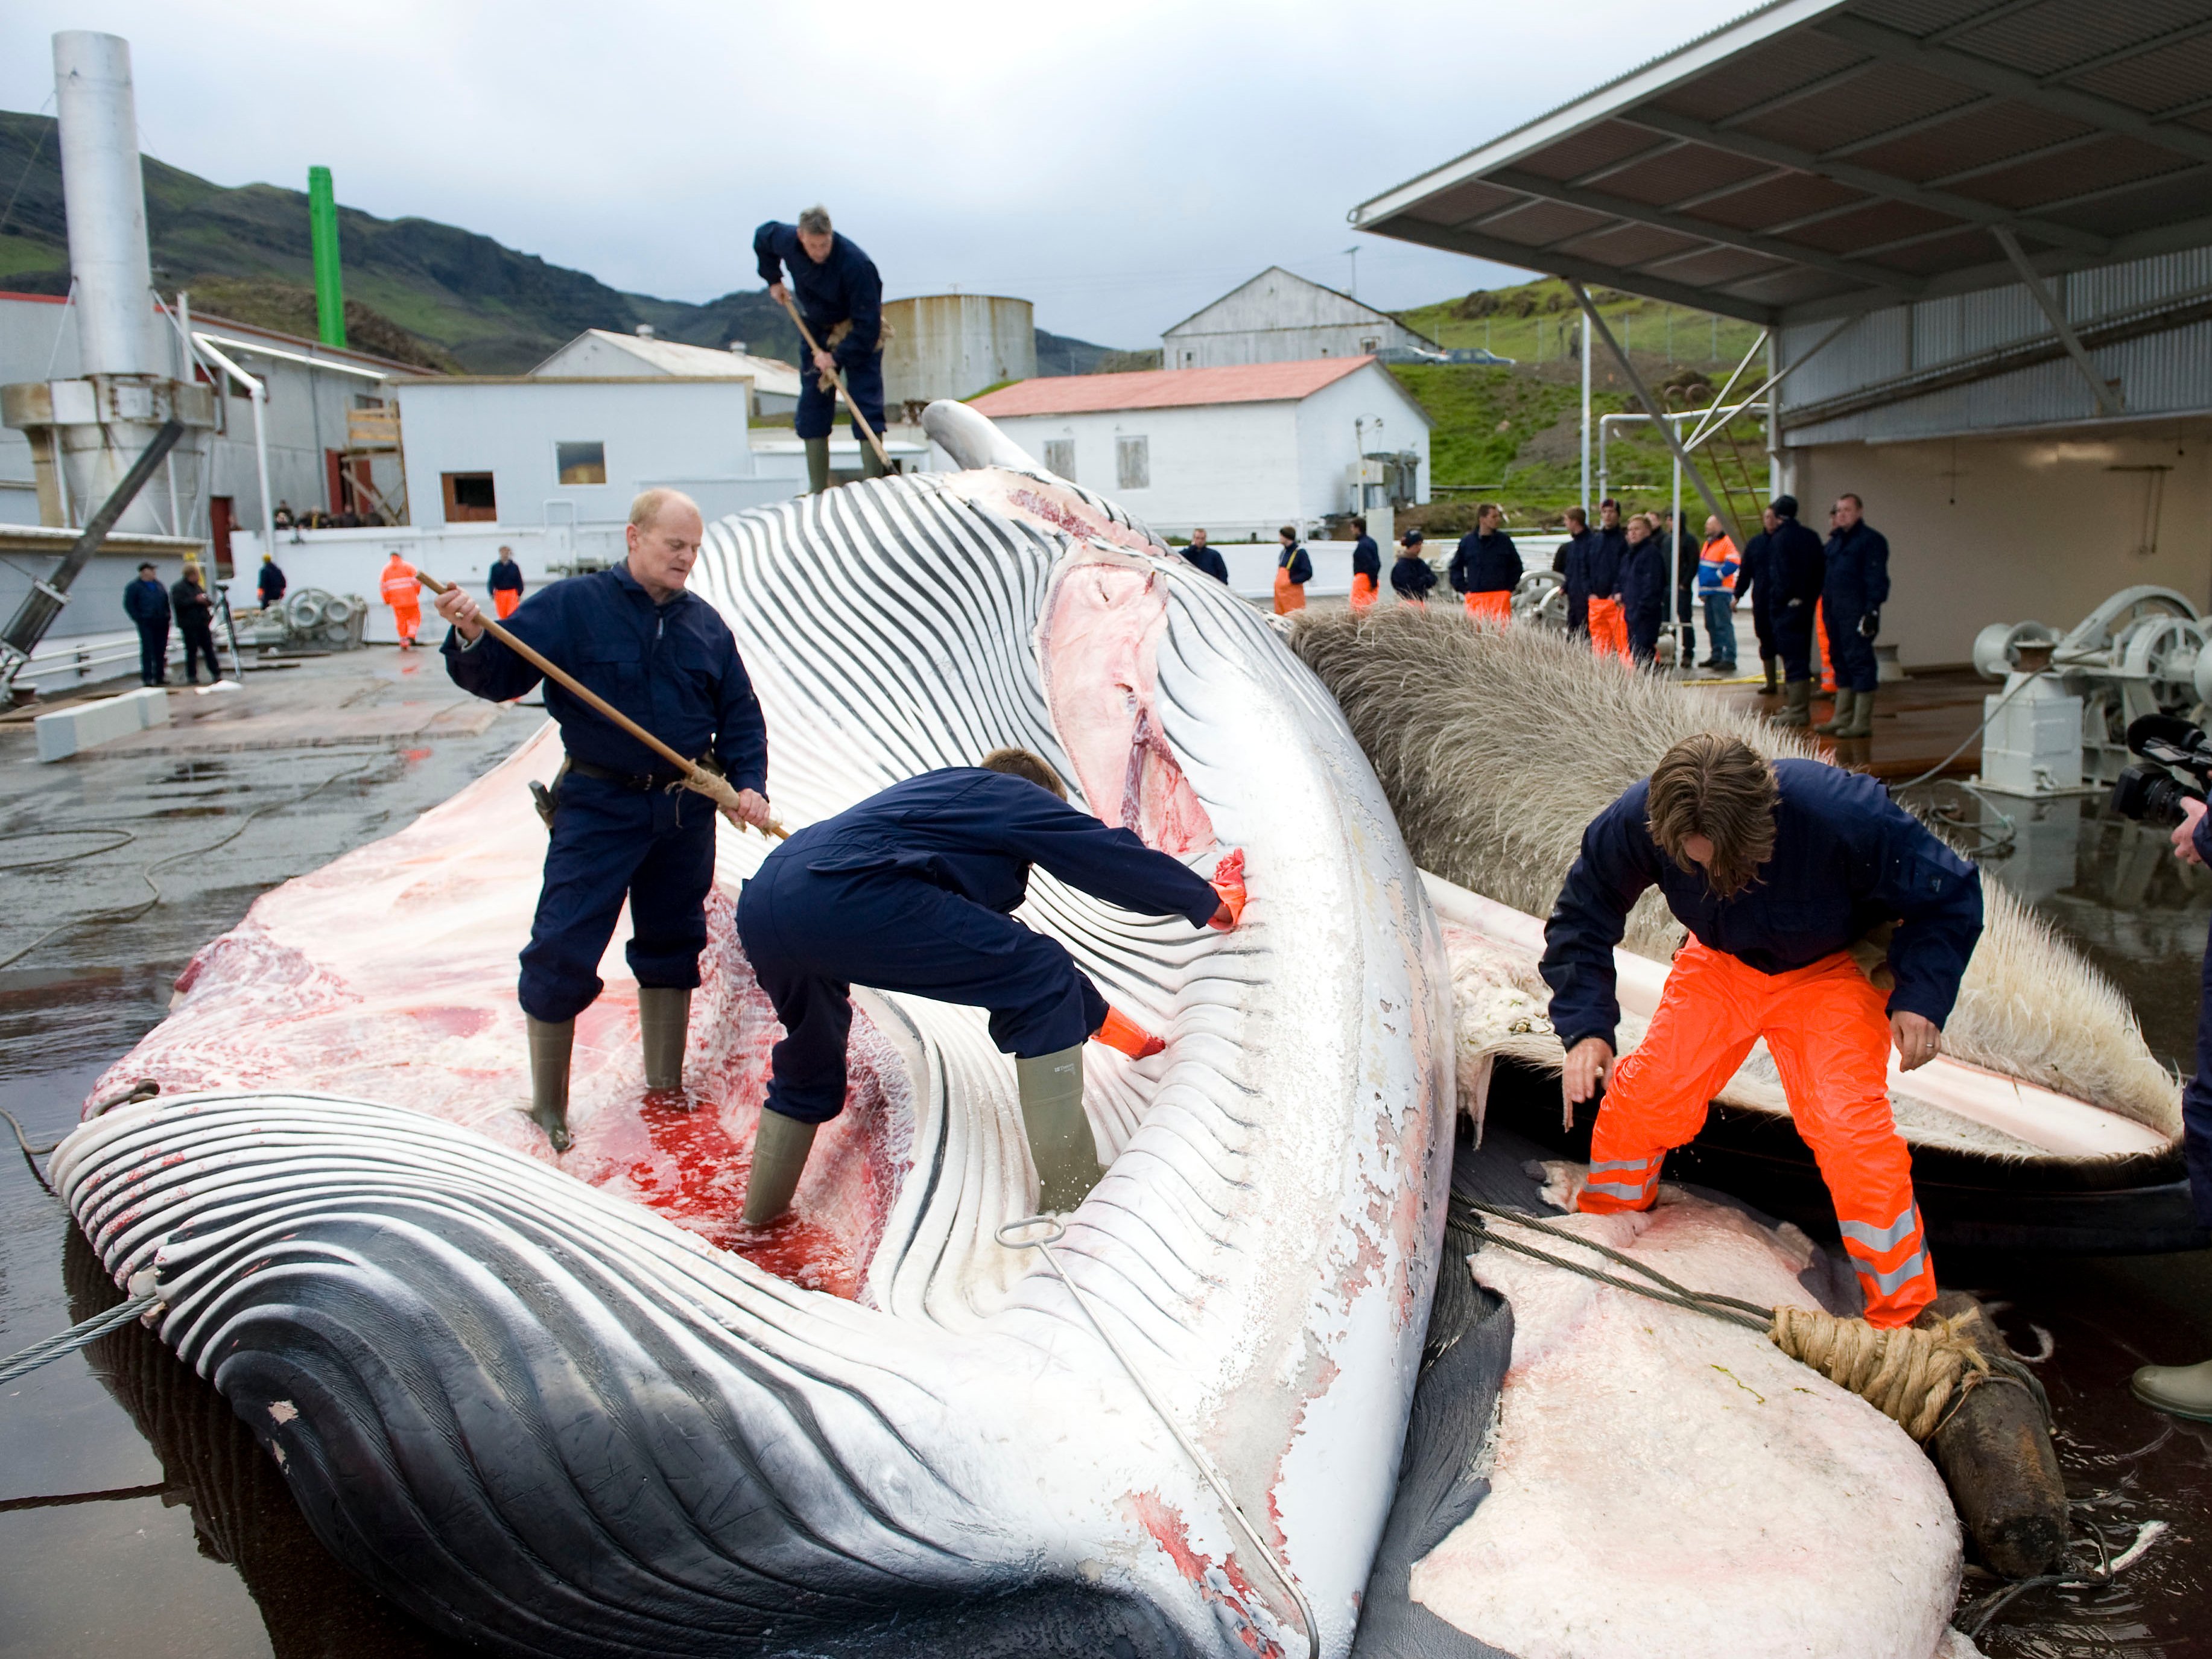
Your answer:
<point x="1793" y="879"/>
<point x="914" y="889"/>
<point x="841" y="298"/>
<point x="623" y="829"/>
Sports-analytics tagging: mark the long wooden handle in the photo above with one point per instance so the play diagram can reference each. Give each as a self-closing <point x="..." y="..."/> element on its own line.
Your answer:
<point x="697" y="775"/>
<point x="859" y="419"/>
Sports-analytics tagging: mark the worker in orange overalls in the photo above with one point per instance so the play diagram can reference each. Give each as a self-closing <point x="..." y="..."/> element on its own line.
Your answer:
<point x="1793" y="879"/>
<point x="402" y="593"/>
<point x="1486" y="566"/>
<point x="1366" y="567"/>
<point x="1293" y="572"/>
<point x="1608" y="554"/>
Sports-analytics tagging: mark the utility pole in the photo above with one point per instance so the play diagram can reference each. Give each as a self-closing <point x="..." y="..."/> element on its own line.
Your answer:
<point x="1355" y="253"/>
<point x="1586" y="415"/>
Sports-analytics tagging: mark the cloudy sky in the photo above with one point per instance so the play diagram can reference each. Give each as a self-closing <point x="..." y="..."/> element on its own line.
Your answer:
<point x="1120" y="166"/>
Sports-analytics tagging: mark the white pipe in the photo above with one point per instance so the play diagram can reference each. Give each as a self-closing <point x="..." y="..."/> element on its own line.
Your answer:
<point x="259" y="394"/>
<point x="105" y="195"/>
<point x="1586" y="420"/>
<point x="293" y="356"/>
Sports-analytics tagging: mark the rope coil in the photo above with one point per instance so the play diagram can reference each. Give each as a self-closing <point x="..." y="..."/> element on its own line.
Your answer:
<point x="1916" y="1375"/>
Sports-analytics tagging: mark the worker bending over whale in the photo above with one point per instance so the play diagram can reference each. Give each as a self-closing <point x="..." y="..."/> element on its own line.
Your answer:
<point x="913" y="890"/>
<point x="1792" y="877"/>
<point x="622" y="828"/>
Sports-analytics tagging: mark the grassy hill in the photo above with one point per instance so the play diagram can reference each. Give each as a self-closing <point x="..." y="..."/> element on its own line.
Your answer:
<point x="1512" y="434"/>
<point x="416" y="289"/>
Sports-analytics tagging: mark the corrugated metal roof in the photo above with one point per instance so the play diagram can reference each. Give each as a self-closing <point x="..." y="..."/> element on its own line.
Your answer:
<point x="1168" y="388"/>
<point x="769" y="374"/>
<point x="1848" y="154"/>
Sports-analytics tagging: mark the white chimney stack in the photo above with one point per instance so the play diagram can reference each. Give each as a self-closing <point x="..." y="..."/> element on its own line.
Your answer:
<point x="105" y="195"/>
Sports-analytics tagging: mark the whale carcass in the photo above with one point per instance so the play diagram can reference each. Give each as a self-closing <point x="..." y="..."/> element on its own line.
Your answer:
<point x="555" y="1415"/>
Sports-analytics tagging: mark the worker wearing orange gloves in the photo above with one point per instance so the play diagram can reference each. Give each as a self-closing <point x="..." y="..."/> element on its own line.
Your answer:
<point x="1486" y="567"/>
<point x="1608" y="554"/>
<point x="1791" y="876"/>
<point x="1366" y="567"/>
<point x="914" y="889"/>
<point x="1293" y="570"/>
<point x="401" y="593"/>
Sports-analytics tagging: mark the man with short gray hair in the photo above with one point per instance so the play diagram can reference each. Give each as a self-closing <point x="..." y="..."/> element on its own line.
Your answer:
<point x="622" y="829"/>
<point x="841" y="298"/>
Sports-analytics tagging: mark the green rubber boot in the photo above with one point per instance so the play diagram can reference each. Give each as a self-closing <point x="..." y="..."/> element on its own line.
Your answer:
<point x="1774" y="666"/>
<point x="551" y="1044"/>
<point x="2177" y="1390"/>
<point x="664" y="1022"/>
<point x="1797" y="704"/>
<point x="1861" y="724"/>
<point x="1837" y="724"/>
<point x="1060" y="1141"/>
<point x="818" y="465"/>
<point x="780" y="1150"/>
<point x="872" y="465"/>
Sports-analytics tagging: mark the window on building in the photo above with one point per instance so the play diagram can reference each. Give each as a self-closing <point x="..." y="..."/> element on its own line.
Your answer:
<point x="1370" y="345"/>
<point x="469" y="498"/>
<point x="580" y="463"/>
<point x="1059" y="458"/>
<point x="1133" y="463"/>
<point x="1189" y="358"/>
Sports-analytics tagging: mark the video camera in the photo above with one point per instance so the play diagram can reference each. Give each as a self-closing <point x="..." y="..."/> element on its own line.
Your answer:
<point x="2152" y="794"/>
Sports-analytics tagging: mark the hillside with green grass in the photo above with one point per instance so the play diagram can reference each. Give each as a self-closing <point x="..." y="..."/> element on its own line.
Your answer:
<point x="1512" y="433"/>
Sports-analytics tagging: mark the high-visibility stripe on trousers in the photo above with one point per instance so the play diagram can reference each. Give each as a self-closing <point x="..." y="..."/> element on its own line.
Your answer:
<point x="1608" y="628"/>
<point x="1828" y="1032"/>
<point x="1495" y="606"/>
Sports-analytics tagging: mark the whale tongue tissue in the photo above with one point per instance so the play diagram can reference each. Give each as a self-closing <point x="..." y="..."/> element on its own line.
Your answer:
<point x="1099" y="646"/>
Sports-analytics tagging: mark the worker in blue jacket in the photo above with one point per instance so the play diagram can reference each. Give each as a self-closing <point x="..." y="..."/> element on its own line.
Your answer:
<point x="621" y="827"/>
<point x="1486" y="567"/>
<point x="1609" y="553"/>
<point x="146" y="602"/>
<point x="841" y="298"/>
<point x="1644" y="588"/>
<point x="1854" y="585"/>
<point x="1754" y="581"/>
<point x="1206" y="558"/>
<point x="1795" y="564"/>
<point x="914" y="889"/>
<point x="1411" y="576"/>
<point x="1571" y="564"/>
<point x="1823" y="918"/>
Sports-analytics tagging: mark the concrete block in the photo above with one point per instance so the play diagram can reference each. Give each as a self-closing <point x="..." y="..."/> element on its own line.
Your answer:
<point x="85" y="725"/>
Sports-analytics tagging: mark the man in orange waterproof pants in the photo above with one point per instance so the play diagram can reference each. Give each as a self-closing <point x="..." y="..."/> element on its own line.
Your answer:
<point x="398" y="589"/>
<point x="1778" y="869"/>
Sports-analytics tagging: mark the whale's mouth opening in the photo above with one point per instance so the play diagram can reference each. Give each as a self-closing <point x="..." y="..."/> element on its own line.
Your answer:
<point x="1098" y="649"/>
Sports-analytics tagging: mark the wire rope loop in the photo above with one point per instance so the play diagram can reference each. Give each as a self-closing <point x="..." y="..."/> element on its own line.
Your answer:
<point x="1058" y="1231"/>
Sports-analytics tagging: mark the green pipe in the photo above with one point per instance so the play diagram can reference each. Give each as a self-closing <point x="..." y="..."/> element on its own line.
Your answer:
<point x="323" y="232"/>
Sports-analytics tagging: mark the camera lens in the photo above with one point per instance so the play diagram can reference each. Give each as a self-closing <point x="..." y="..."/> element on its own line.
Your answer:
<point x="2148" y="796"/>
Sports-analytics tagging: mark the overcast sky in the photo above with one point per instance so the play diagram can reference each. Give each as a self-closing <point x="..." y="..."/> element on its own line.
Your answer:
<point x="1119" y="170"/>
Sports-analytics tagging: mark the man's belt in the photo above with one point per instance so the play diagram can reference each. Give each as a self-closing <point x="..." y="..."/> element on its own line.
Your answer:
<point x="643" y="783"/>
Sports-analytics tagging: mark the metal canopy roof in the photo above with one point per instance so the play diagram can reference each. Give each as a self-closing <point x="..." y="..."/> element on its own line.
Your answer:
<point x="1818" y="159"/>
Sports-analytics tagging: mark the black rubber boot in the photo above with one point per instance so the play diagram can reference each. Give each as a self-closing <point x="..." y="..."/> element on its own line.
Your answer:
<point x="818" y="465"/>
<point x="1061" y="1142"/>
<point x="551" y="1044"/>
<point x="1773" y="677"/>
<point x="780" y="1149"/>
<point x="664" y="1022"/>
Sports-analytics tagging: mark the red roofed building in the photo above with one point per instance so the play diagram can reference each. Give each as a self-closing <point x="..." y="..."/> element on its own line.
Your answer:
<point x="1239" y="451"/>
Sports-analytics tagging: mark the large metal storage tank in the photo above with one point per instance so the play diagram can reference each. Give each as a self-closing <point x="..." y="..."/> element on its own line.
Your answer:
<point x="953" y="345"/>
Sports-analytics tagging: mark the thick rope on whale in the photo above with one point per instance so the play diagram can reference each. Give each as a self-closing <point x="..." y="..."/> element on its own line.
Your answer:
<point x="1916" y="1375"/>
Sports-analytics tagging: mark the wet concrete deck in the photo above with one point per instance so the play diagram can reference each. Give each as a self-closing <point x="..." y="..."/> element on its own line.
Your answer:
<point x="137" y="1517"/>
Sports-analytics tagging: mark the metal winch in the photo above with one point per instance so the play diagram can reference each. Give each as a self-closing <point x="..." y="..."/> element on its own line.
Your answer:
<point x="2061" y="722"/>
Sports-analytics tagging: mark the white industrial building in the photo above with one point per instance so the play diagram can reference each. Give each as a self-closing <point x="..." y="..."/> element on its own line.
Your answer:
<point x="1279" y="318"/>
<point x="953" y="345"/>
<point x="599" y="353"/>
<point x="1980" y="240"/>
<point x="1238" y="450"/>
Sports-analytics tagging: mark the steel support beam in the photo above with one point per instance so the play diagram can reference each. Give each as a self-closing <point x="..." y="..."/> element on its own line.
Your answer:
<point x="1899" y="47"/>
<point x="2047" y="302"/>
<point x="1661" y="419"/>
<point x="1772" y="247"/>
<point x="1874" y="183"/>
<point x="1457" y="240"/>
